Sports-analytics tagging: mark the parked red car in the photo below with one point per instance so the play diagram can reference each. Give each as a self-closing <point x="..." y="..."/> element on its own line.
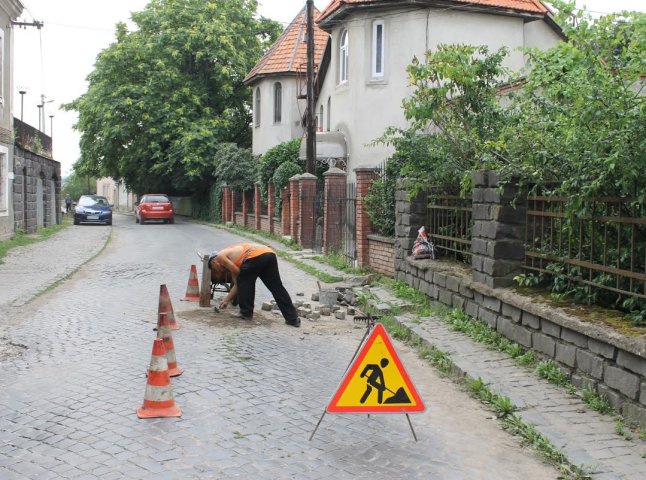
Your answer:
<point x="154" y="206"/>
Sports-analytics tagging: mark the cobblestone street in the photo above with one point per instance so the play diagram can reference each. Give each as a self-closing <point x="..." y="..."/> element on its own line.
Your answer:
<point x="73" y="374"/>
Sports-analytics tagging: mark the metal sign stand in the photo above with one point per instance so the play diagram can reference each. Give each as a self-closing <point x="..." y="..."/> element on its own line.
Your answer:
<point x="370" y="324"/>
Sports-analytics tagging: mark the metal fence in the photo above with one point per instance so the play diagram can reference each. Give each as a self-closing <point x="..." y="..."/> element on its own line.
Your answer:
<point x="349" y="222"/>
<point x="450" y="224"/>
<point x="604" y="249"/>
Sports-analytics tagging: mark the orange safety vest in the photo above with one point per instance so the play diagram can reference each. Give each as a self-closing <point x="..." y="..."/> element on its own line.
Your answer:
<point x="251" y="251"/>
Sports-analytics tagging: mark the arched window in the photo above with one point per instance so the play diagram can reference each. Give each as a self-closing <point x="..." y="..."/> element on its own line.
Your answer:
<point x="257" y="109"/>
<point x="329" y="106"/>
<point x="343" y="57"/>
<point x="278" y="102"/>
<point x="320" y="119"/>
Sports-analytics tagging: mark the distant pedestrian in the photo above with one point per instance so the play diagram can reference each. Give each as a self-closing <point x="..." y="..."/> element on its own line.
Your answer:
<point x="246" y="262"/>
<point x="68" y="203"/>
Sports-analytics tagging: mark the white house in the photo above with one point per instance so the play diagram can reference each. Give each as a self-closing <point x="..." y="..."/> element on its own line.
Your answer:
<point x="362" y="78"/>
<point x="9" y="12"/>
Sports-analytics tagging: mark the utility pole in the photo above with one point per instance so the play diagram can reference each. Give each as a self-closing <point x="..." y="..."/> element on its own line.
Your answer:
<point x="22" y="97"/>
<point x="311" y="130"/>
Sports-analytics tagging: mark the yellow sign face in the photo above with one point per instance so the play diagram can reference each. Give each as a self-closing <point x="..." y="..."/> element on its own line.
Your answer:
<point x="377" y="381"/>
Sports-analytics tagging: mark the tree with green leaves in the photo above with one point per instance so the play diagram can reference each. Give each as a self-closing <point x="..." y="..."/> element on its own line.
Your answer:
<point x="580" y="118"/>
<point x="164" y="97"/>
<point x="454" y="114"/>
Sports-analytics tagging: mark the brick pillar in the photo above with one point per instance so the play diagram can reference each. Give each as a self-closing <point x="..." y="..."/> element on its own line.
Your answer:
<point x="232" y="204"/>
<point x="497" y="242"/>
<point x="271" y="207"/>
<point x="245" y="208"/>
<point x="226" y="198"/>
<point x="294" y="209"/>
<point x="365" y="177"/>
<point x="284" y="212"/>
<point x="410" y="214"/>
<point x="257" y="201"/>
<point x="307" y="201"/>
<point x="335" y="186"/>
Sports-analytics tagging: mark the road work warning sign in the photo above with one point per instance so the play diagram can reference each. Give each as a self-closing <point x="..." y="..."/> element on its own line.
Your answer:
<point x="376" y="381"/>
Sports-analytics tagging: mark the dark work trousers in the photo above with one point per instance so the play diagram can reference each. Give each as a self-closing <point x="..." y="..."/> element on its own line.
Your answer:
<point x="264" y="266"/>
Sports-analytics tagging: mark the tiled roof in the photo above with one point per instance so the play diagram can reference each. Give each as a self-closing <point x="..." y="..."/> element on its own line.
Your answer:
<point x="289" y="53"/>
<point x="532" y="6"/>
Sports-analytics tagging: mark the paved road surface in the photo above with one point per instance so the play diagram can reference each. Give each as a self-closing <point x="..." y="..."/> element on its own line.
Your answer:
<point x="73" y="372"/>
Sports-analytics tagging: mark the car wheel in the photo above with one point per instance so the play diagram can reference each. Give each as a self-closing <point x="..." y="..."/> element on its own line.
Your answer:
<point x="109" y="222"/>
<point x="171" y="220"/>
<point x="76" y="222"/>
<point x="141" y="221"/>
<point x="136" y="219"/>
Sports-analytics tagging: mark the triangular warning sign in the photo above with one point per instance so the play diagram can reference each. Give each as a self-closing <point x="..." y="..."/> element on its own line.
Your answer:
<point x="377" y="381"/>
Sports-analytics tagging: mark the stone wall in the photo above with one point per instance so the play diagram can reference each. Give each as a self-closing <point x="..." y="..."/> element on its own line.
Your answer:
<point x="380" y="254"/>
<point x="595" y="356"/>
<point x="28" y="169"/>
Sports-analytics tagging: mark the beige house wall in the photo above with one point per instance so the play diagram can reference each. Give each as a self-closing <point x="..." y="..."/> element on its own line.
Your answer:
<point x="269" y="133"/>
<point x="364" y="106"/>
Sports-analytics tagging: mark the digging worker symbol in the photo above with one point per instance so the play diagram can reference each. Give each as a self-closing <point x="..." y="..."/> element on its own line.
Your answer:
<point x="375" y="379"/>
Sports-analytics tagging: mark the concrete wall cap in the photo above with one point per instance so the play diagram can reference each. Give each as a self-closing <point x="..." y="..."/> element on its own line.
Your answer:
<point x="334" y="171"/>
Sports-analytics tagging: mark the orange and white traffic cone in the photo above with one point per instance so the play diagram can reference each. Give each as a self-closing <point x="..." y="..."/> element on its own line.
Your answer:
<point x="158" y="398"/>
<point x="164" y="332"/>
<point x="193" y="288"/>
<point x="165" y="305"/>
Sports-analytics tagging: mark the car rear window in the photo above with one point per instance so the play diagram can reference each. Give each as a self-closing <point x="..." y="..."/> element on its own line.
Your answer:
<point x="155" y="199"/>
<point x="89" y="201"/>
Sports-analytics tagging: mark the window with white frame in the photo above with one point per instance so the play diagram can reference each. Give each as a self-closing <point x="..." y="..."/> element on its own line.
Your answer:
<point x="320" y="119"/>
<point x="343" y="57"/>
<point x="278" y="102"/>
<point x="4" y="181"/>
<point x="257" y="107"/>
<point x="378" y="48"/>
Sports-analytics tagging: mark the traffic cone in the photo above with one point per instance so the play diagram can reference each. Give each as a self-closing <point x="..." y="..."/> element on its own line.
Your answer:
<point x="158" y="398"/>
<point x="193" y="288"/>
<point x="164" y="332"/>
<point x="165" y="305"/>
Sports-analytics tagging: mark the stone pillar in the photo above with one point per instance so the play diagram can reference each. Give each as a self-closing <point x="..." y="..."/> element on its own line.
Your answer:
<point x="307" y="201"/>
<point x="365" y="177"/>
<point x="245" y="208"/>
<point x="284" y="212"/>
<point x="410" y="214"/>
<point x="257" y="202"/>
<point x="271" y="207"/>
<point x="497" y="242"/>
<point x="294" y="209"/>
<point x="335" y="187"/>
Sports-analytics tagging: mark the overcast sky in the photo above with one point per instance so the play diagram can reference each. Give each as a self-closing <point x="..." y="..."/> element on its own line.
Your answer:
<point x="54" y="61"/>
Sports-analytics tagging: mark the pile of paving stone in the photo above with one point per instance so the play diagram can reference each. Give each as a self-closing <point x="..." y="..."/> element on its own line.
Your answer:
<point x="340" y="307"/>
<point x="338" y="301"/>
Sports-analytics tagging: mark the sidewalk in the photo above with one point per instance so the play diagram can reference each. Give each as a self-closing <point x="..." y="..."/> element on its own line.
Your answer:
<point x="47" y="262"/>
<point x="588" y="439"/>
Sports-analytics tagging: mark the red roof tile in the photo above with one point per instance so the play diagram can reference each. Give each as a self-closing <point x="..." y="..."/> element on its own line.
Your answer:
<point x="289" y="53"/>
<point x="532" y="6"/>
